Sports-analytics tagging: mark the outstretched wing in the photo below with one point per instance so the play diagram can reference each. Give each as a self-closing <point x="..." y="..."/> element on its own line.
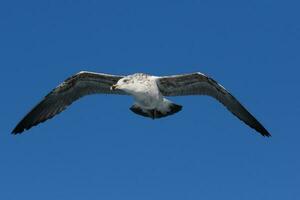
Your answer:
<point x="73" y="88"/>
<point x="199" y="84"/>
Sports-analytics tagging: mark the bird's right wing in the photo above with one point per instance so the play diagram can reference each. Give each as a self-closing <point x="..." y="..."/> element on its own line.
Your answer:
<point x="200" y="84"/>
<point x="73" y="88"/>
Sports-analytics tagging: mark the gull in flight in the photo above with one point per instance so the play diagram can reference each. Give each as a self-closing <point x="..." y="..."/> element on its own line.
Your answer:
<point x="148" y="91"/>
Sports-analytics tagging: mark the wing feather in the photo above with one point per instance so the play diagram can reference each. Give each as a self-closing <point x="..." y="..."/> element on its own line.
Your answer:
<point x="73" y="88"/>
<point x="200" y="84"/>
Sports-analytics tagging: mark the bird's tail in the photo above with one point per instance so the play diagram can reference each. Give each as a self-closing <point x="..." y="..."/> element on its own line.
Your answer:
<point x="167" y="108"/>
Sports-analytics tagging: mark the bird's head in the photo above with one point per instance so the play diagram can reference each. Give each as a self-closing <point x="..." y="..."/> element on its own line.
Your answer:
<point x="125" y="84"/>
<point x="131" y="84"/>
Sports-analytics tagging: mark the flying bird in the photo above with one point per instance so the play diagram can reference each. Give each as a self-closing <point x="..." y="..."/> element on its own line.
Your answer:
<point x="149" y="92"/>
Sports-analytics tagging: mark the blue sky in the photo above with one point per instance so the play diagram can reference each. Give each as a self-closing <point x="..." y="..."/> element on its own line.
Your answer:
<point x="98" y="149"/>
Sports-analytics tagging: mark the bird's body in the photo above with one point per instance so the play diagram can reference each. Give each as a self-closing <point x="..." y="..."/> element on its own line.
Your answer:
<point x="145" y="91"/>
<point x="149" y="92"/>
<point x="149" y="101"/>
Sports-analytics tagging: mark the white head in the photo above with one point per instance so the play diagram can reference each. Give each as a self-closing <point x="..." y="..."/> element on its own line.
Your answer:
<point x="131" y="83"/>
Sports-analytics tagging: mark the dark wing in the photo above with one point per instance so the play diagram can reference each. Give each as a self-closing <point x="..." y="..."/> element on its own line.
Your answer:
<point x="199" y="84"/>
<point x="75" y="87"/>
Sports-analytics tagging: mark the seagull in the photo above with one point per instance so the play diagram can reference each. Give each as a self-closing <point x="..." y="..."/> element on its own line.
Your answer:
<point x="149" y="93"/>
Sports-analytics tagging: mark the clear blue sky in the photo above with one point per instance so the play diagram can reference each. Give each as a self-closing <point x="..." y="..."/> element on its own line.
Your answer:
<point x="98" y="149"/>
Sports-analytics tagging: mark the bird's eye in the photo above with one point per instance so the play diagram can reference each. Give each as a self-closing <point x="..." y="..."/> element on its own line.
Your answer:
<point x="125" y="80"/>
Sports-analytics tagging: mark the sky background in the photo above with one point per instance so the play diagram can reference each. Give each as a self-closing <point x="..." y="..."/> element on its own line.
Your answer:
<point x="98" y="149"/>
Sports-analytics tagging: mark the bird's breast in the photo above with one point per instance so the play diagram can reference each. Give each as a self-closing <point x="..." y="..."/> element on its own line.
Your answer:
<point x="148" y="98"/>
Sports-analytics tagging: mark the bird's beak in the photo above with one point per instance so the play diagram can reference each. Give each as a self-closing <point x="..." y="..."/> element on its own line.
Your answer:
<point x="113" y="87"/>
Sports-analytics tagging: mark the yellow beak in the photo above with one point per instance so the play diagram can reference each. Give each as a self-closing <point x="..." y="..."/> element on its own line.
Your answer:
<point x="113" y="87"/>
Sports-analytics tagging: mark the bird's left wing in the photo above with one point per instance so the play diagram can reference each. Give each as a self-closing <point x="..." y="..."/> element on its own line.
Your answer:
<point x="200" y="84"/>
<point x="73" y="88"/>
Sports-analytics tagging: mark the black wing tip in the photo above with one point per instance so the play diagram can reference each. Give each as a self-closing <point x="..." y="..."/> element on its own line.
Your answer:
<point x="18" y="130"/>
<point x="263" y="132"/>
<point x="266" y="134"/>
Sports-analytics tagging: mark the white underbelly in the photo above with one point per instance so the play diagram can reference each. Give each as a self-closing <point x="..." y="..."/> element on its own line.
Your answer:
<point x="148" y="101"/>
<point x="147" y="95"/>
